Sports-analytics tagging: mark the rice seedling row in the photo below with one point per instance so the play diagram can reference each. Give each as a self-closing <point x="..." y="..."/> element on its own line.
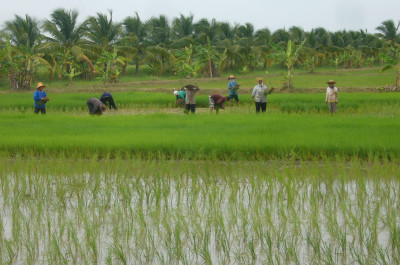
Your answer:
<point x="118" y="211"/>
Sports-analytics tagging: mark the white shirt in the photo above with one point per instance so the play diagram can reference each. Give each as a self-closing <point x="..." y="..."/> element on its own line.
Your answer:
<point x="331" y="94"/>
<point x="259" y="93"/>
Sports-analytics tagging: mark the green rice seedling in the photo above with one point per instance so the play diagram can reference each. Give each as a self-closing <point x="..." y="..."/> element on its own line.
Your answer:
<point x="55" y="254"/>
<point x="12" y="255"/>
<point x="119" y="254"/>
<point x="227" y="211"/>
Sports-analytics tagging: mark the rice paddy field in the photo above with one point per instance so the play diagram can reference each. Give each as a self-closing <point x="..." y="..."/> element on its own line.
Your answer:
<point x="148" y="184"/>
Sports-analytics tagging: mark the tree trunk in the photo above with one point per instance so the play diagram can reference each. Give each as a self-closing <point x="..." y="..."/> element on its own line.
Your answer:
<point x="124" y="68"/>
<point x="20" y="80"/>
<point x="137" y="66"/>
<point x="213" y="69"/>
<point x="397" y="84"/>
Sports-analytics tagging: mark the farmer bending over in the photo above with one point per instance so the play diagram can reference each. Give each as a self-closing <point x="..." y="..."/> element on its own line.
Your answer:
<point x="108" y="98"/>
<point x="180" y="98"/>
<point x="217" y="102"/>
<point x="96" y="106"/>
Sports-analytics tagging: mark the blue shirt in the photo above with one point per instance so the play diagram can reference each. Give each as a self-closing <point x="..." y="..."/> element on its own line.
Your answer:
<point x="37" y="96"/>
<point x="106" y="94"/>
<point x="232" y="86"/>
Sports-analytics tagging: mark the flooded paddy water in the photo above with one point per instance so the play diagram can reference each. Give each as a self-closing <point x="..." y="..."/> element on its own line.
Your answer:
<point x="199" y="212"/>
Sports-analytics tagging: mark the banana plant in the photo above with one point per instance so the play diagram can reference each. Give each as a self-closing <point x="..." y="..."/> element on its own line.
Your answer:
<point x="392" y="61"/>
<point x="186" y="64"/>
<point x="289" y="58"/>
<point x="109" y="66"/>
<point x="71" y="74"/>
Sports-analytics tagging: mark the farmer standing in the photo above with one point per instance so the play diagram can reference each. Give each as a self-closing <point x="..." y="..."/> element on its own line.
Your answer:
<point x="217" y="101"/>
<point x="190" y="100"/>
<point x="233" y="87"/>
<point x="332" y="96"/>
<point x="40" y="97"/>
<point x="106" y="97"/>
<point x="95" y="106"/>
<point x="260" y="95"/>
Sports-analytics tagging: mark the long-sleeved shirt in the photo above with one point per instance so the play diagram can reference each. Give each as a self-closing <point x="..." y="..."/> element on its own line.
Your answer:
<point x="233" y="87"/>
<point x="259" y="93"/>
<point x="37" y="96"/>
<point x="181" y="94"/>
<point x="190" y="94"/>
<point x="105" y="94"/>
<point x="218" y="99"/>
<point x="331" y="94"/>
<point x="94" y="106"/>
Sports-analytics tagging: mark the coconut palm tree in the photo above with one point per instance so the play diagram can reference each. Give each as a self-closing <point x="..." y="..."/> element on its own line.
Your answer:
<point x="280" y="36"/>
<point x="136" y="28"/>
<point x="106" y="34"/>
<point x="226" y="31"/>
<point x="24" y="52"/>
<point x="103" y="31"/>
<point x="388" y="31"/>
<point x="206" y="31"/>
<point x="232" y="50"/>
<point x="182" y="27"/>
<point x="66" y="41"/>
<point x="159" y="31"/>
<point x="262" y="39"/>
<point x="158" y="54"/>
<point x="159" y="59"/>
<point x="297" y="34"/>
<point x="246" y="41"/>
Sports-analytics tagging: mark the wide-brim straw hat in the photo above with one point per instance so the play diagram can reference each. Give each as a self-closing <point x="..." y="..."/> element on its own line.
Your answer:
<point x="258" y="78"/>
<point x="40" y="84"/>
<point x="231" y="77"/>
<point x="331" y="82"/>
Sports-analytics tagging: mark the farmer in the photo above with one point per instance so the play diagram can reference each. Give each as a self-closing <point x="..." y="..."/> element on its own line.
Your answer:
<point x="180" y="97"/>
<point x="96" y="106"/>
<point x="233" y="87"/>
<point x="105" y="98"/>
<point x="217" y="102"/>
<point x="332" y="96"/>
<point x="190" y="100"/>
<point x="260" y="95"/>
<point x="40" y="97"/>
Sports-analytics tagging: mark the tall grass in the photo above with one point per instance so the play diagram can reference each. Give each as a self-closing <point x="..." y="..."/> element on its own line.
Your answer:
<point x="239" y="136"/>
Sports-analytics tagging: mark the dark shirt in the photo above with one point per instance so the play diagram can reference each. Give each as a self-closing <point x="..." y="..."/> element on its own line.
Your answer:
<point x="105" y="94"/>
<point x="218" y="99"/>
<point x="94" y="106"/>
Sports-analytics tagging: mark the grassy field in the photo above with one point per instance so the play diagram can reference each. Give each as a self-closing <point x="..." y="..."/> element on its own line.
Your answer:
<point x="348" y="79"/>
<point x="202" y="136"/>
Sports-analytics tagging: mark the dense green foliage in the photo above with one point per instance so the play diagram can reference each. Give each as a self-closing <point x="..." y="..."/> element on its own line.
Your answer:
<point x="101" y="48"/>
